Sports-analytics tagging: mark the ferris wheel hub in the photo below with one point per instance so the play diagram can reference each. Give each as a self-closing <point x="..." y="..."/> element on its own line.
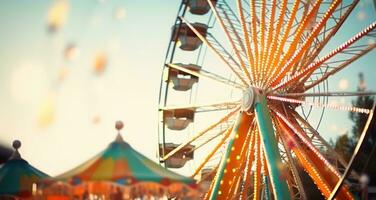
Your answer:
<point x="249" y="99"/>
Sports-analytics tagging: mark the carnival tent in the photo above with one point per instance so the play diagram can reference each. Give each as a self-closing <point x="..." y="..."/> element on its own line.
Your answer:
<point x="119" y="163"/>
<point x="17" y="176"/>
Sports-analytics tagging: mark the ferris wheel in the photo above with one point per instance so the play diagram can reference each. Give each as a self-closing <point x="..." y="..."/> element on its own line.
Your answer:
<point x="270" y="61"/>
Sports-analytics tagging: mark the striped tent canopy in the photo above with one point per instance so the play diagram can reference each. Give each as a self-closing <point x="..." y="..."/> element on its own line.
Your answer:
<point x="17" y="176"/>
<point x="119" y="163"/>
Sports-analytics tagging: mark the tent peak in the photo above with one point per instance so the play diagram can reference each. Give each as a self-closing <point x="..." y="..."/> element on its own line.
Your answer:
<point x="16" y="155"/>
<point x="119" y="125"/>
<point x="119" y="138"/>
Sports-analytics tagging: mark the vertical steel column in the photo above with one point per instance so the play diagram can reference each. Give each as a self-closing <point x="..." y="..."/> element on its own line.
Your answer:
<point x="273" y="158"/>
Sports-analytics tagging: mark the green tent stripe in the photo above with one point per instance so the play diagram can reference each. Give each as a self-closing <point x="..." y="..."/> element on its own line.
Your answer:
<point x="138" y="169"/>
<point x="12" y="172"/>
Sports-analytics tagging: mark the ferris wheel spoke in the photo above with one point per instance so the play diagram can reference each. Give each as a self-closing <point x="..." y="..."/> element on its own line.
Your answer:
<point x="330" y="177"/>
<point x="253" y="27"/>
<point x="273" y="62"/>
<point x="207" y="141"/>
<point x="325" y="70"/>
<point x="292" y="165"/>
<point x="320" y="171"/>
<point x="275" y="37"/>
<point x="328" y="173"/>
<point x="299" y="30"/>
<point x="246" y="183"/>
<point x="306" y="163"/>
<point x="296" y="39"/>
<point x="207" y="74"/>
<point x="262" y="38"/>
<point x="294" y="55"/>
<point x="314" y="135"/>
<point x="311" y="22"/>
<point x="206" y="108"/>
<point x="232" y="156"/>
<point x="257" y="172"/>
<point x="237" y="162"/>
<point x="207" y="176"/>
<point x="213" y="151"/>
<point x="269" y="34"/>
<point x="336" y="20"/>
<point x="207" y="43"/>
<point x="198" y="135"/>
<point x="228" y="58"/>
<point x="338" y="66"/>
<point x="321" y="105"/>
<point x="235" y="180"/>
<point x="250" y="55"/>
<point x="320" y="143"/>
<point x="232" y="35"/>
<point x="358" y="51"/>
<point x="211" y="187"/>
<point x="326" y="94"/>
<point x="232" y="24"/>
<point x="265" y="177"/>
<point x="304" y="138"/>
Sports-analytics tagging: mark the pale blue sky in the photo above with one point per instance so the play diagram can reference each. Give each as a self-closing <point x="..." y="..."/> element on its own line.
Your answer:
<point x="127" y="90"/>
<point x="30" y="59"/>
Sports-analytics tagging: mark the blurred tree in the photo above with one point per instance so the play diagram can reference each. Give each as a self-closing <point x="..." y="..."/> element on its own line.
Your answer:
<point x="344" y="146"/>
<point x="364" y="163"/>
<point x="310" y="187"/>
